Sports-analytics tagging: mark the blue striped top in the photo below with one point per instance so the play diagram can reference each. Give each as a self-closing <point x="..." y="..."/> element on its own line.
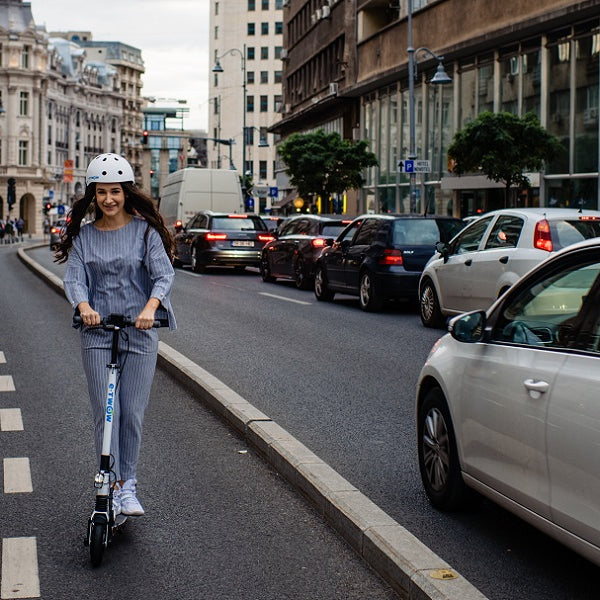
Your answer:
<point x="118" y="271"/>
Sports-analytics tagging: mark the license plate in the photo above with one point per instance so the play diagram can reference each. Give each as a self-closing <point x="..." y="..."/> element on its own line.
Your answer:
<point x="242" y="243"/>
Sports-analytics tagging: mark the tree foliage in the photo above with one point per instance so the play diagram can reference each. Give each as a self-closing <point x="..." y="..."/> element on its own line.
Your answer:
<point x="323" y="163"/>
<point x="503" y="146"/>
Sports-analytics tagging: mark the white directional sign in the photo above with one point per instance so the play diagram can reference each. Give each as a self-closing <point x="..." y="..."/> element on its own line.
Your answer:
<point x="414" y="166"/>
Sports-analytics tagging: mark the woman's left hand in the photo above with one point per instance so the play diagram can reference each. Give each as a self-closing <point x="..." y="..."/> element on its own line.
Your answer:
<point x="145" y="319"/>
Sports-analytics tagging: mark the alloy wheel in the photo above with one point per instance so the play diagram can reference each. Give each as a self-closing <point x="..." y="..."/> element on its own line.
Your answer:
<point x="436" y="449"/>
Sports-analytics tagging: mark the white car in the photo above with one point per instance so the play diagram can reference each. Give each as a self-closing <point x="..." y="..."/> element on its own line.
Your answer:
<point x="492" y="253"/>
<point x="508" y="402"/>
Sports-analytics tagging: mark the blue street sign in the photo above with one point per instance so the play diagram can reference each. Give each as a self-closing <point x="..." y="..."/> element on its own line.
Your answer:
<point x="60" y="209"/>
<point x="273" y="191"/>
<point x="50" y="194"/>
<point x="409" y="166"/>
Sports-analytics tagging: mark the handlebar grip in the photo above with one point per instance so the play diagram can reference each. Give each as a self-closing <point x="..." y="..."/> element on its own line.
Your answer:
<point x="77" y="320"/>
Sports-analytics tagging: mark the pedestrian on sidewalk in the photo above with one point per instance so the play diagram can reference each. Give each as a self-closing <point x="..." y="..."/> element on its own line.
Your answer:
<point x="20" y="225"/>
<point x="121" y="263"/>
<point x="8" y="231"/>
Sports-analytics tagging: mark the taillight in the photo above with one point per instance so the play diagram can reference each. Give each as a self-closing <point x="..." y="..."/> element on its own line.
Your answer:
<point x="55" y="230"/>
<point x="542" y="238"/>
<point x="391" y="257"/>
<point x="264" y="237"/>
<point x="213" y="237"/>
<point x="318" y="243"/>
<point x="178" y="223"/>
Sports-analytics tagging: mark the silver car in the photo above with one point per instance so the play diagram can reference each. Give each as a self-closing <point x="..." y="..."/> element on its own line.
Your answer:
<point x="508" y="402"/>
<point x="492" y="253"/>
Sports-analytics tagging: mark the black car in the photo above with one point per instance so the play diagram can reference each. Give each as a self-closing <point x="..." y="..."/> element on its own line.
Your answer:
<point x="221" y="239"/>
<point x="56" y="231"/>
<point x="299" y="242"/>
<point x="380" y="257"/>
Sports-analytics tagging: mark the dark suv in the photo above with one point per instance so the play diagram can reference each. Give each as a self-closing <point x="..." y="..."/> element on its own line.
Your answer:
<point x="381" y="257"/>
<point x="298" y="244"/>
<point x="221" y="239"/>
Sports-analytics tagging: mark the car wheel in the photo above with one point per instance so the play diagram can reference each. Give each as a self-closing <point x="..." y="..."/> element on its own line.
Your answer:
<point x="368" y="297"/>
<point x="265" y="270"/>
<point x="322" y="292"/>
<point x="197" y="266"/>
<point x="300" y="279"/>
<point x="438" y="456"/>
<point x="429" y="306"/>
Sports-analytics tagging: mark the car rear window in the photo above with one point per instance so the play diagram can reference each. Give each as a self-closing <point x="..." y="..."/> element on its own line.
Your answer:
<point x="332" y="229"/>
<point x="238" y="224"/>
<point x="567" y="232"/>
<point x="420" y="232"/>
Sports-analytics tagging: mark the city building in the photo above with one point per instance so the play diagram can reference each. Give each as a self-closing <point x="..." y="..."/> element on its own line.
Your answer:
<point x="347" y="70"/>
<point x="246" y="44"/>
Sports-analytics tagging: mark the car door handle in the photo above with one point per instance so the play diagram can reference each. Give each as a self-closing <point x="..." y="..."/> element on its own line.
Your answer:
<point x="536" y="387"/>
<point x="503" y="260"/>
<point x="468" y="262"/>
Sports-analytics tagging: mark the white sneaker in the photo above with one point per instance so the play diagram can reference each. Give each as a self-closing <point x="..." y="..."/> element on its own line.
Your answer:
<point x="129" y="504"/>
<point x="116" y="501"/>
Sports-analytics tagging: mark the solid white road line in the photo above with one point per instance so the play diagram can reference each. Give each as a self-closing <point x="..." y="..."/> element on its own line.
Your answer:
<point x="284" y="298"/>
<point x="11" y="419"/>
<point x="20" y="576"/>
<point x="2" y="358"/>
<point x="17" y="476"/>
<point x="6" y="383"/>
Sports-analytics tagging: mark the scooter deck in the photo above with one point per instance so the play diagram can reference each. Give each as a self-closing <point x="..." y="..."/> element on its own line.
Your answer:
<point x="119" y="524"/>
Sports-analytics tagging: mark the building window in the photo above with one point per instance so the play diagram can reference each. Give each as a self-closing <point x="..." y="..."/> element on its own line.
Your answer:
<point x="25" y="57"/>
<point x="264" y="4"/>
<point x="24" y="104"/>
<point x="249" y="136"/>
<point x="251" y="28"/>
<point x="264" y="52"/>
<point x="277" y="77"/>
<point x="49" y="134"/>
<point x="264" y="29"/>
<point x="278" y="27"/>
<point x="251" y="4"/>
<point x="250" y="77"/>
<point x="216" y="32"/>
<point x="264" y="76"/>
<point x="278" y="52"/>
<point x="278" y="4"/>
<point x="277" y="100"/>
<point x="251" y="53"/>
<point x="216" y="75"/>
<point x="262" y="169"/>
<point x="264" y="103"/>
<point x="250" y="166"/>
<point x="216" y="8"/>
<point x="23" y="147"/>
<point x="250" y="104"/>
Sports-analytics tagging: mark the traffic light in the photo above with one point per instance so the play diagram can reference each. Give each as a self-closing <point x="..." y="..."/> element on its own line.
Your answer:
<point x="11" y="193"/>
<point x="151" y="172"/>
<point x="145" y="137"/>
<point x="47" y="207"/>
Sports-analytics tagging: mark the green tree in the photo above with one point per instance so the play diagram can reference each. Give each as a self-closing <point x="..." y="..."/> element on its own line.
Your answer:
<point x="503" y="146"/>
<point x="322" y="164"/>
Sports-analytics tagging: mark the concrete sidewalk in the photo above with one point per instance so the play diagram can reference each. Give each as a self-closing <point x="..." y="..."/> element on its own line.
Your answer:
<point x="410" y="567"/>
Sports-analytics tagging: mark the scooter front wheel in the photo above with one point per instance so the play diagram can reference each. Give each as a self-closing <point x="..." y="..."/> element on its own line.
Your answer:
<point x="97" y="539"/>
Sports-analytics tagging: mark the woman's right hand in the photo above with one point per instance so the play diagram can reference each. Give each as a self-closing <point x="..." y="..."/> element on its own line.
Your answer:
<point x="88" y="315"/>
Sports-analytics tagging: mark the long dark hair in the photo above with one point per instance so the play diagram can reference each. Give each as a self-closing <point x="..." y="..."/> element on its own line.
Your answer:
<point x="136" y="202"/>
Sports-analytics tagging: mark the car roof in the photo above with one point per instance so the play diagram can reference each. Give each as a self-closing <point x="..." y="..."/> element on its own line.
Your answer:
<point x="394" y="216"/>
<point x="320" y="217"/>
<point x="544" y="212"/>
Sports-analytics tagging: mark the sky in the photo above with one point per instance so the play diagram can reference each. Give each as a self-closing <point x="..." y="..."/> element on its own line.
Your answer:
<point x="172" y="35"/>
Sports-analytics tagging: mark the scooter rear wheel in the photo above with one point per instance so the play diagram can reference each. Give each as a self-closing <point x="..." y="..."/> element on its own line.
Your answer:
<point x="97" y="537"/>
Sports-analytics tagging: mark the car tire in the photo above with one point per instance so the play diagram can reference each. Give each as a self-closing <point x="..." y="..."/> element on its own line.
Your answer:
<point x="429" y="305"/>
<point x="300" y="279"/>
<point x="368" y="297"/>
<point x="265" y="270"/>
<point x="322" y="291"/>
<point x="197" y="266"/>
<point x="438" y="456"/>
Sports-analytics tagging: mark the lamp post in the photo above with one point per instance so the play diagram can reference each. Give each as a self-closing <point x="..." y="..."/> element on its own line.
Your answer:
<point x="440" y="78"/>
<point x="219" y="69"/>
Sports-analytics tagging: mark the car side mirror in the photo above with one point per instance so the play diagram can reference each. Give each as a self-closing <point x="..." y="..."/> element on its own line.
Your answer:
<point x="443" y="249"/>
<point x="468" y="327"/>
<point x="328" y="241"/>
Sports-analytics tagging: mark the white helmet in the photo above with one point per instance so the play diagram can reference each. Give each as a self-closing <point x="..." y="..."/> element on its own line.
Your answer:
<point x="109" y="168"/>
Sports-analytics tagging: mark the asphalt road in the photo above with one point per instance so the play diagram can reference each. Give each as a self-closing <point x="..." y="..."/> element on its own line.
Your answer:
<point x="220" y="523"/>
<point x="342" y="382"/>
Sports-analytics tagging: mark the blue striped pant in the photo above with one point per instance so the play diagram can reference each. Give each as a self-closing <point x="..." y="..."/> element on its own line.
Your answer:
<point x="133" y="393"/>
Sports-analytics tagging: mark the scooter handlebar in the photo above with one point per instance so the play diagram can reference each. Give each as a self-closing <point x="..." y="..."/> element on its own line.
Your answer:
<point x="120" y="321"/>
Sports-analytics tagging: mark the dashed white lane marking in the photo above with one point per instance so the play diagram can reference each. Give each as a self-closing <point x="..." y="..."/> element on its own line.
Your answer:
<point x="284" y="298"/>
<point x="11" y="419"/>
<point x="17" y="476"/>
<point x="20" y="575"/>
<point x="2" y="358"/>
<point x="7" y="384"/>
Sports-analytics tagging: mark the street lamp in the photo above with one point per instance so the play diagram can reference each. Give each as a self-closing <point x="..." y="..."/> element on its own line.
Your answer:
<point x="440" y="78"/>
<point x="219" y="69"/>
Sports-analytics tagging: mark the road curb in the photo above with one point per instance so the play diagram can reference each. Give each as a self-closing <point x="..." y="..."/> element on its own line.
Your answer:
<point x="410" y="567"/>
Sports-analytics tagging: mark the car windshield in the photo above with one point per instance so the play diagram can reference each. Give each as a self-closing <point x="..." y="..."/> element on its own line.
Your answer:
<point x="567" y="232"/>
<point x="238" y="224"/>
<point x="332" y="229"/>
<point x="415" y="232"/>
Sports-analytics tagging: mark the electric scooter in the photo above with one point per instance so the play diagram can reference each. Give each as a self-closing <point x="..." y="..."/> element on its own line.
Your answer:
<point x="103" y="523"/>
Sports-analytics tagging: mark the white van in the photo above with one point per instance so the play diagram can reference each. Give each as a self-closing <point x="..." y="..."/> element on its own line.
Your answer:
<point x="190" y="190"/>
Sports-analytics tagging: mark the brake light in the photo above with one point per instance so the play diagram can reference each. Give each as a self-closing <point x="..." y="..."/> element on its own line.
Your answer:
<point x="213" y="237"/>
<point x="236" y="216"/>
<point x="588" y="218"/>
<point x="318" y="243"/>
<point x="178" y="223"/>
<point x="263" y="237"/>
<point x="55" y="230"/>
<point x="391" y="257"/>
<point x="542" y="239"/>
